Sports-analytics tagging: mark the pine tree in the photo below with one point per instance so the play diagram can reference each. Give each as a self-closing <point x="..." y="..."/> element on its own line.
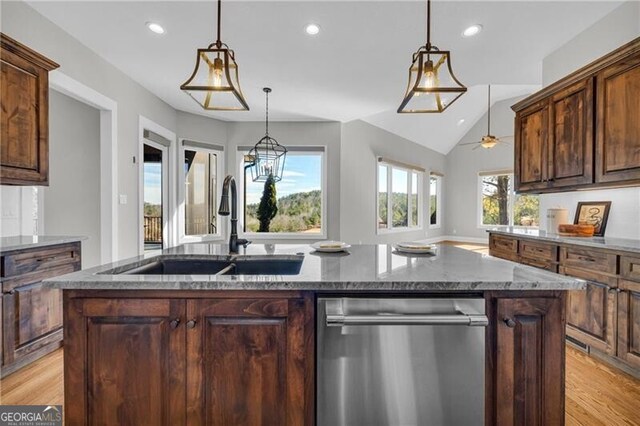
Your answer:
<point x="268" y="208"/>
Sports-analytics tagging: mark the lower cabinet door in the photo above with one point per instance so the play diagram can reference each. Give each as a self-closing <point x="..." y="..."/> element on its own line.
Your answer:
<point x="246" y="362"/>
<point x="525" y="350"/>
<point x="629" y="323"/>
<point x="591" y="313"/>
<point x="124" y="362"/>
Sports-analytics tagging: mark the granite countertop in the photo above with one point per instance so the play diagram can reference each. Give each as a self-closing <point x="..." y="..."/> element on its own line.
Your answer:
<point x="619" y="244"/>
<point x="21" y="242"/>
<point x="365" y="268"/>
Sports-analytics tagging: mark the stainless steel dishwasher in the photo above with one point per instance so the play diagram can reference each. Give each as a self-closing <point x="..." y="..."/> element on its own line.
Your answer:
<point x="400" y="362"/>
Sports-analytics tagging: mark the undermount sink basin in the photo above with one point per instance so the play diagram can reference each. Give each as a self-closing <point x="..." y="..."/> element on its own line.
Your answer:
<point x="242" y="266"/>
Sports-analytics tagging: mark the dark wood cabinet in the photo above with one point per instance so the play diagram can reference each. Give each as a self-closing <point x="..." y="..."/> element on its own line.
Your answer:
<point x="584" y="130"/>
<point x="591" y="313"/>
<point x="525" y="345"/>
<point x="120" y="347"/>
<point x="531" y="146"/>
<point x="194" y="360"/>
<point x="570" y="156"/>
<point x="618" y="118"/>
<point x="629" y="322"/>
<point x="32" y="311"/>
<point x="24" y="114"/>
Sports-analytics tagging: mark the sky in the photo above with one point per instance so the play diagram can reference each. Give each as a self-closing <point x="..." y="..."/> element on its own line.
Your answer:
<point x="302" y="173"/>
<point x="152" y="179"/>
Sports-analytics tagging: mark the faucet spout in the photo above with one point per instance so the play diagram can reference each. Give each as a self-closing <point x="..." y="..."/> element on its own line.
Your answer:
<point x="229" y="184"/>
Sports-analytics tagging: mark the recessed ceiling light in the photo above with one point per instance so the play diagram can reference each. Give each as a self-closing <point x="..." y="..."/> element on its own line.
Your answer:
<point x="472" y="30"/>
<point x="312" y="29"/>
<point x="461" y="122"/>
<point x="155" y="27"/>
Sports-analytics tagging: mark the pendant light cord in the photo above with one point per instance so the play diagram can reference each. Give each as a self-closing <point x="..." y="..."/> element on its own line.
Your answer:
<point x="428" y="24"/>
<point x="267" y="114"/>
<point x="489" y="112"/>
<point x="218" y="42"/>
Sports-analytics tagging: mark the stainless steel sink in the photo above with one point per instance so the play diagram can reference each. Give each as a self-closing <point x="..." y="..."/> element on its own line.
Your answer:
<point x="289" y="265"/>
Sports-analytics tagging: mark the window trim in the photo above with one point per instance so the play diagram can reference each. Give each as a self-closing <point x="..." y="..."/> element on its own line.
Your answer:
<point x="511" y="201"/>
<point x="439" y="177"/>
<point x="257" y="236"/>
<point x="391" y="164"/>
<point x="190" y="144"/>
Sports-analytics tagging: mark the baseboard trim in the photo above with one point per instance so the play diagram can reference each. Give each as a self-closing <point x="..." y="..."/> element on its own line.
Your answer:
<point x="459" y="239"/>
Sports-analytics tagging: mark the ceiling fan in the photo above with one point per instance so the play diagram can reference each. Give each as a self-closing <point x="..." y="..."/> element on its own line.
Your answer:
<point x="489" y="141"/>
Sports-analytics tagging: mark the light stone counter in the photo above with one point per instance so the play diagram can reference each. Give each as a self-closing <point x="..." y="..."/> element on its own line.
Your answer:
<point x="364" y="268"/>
<point x="607" y="243"/>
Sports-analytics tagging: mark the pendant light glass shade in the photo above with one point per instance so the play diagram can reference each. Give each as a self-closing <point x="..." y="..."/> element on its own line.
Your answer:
<point x="214" y="83"/>
<point x="267" y="156"/>
<point x="432" y="85"/>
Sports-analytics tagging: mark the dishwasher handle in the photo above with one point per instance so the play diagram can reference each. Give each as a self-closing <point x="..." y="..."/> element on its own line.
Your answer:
<point x="339" y="320"/>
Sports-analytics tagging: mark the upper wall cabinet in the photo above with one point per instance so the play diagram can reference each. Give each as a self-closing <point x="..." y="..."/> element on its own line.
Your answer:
<point x="584" y="130"/>
<point x="24" y="116"/>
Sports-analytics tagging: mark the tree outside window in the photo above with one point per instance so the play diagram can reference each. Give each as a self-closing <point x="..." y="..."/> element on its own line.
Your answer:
<point x="500" y="206"/>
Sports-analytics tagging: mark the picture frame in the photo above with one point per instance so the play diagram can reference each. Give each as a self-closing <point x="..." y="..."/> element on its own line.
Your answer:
<point x="593" y="213"/>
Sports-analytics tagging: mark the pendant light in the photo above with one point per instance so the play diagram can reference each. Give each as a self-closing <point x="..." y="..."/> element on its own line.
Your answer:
<point x="214" y="83"/>
<point x="432" y="85"/>
<point x="267" y="156"/>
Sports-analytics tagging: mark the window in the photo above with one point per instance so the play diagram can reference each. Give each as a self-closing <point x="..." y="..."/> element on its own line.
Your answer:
<point x="300" y="196"/>
<point x="435" y="200"/>
<point x="200" y="181"/>
<point x="398" y="201"/>
<point x="500" y="205"/>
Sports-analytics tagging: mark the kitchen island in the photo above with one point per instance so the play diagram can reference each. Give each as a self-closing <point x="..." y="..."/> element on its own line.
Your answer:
<point x="237" y="345"/>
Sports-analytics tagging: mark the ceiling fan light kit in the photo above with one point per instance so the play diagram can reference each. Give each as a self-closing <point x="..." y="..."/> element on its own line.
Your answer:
<point x="432" y="85"/>
<point x="214" y="84"/>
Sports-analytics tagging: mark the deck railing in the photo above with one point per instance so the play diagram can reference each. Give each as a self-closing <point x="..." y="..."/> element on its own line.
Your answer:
<point x="153" y="229"/>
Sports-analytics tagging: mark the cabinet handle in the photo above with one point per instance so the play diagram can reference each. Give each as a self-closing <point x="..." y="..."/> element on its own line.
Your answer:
<point x="191" y="323"/>
<point x="509" y="322"/>
<point x="174" y="324"/>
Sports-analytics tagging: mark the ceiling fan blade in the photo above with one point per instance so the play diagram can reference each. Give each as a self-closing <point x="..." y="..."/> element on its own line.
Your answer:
<point x="469" y="143"/>
<point x="505" y="137"/>
<point x="476" y="147"/>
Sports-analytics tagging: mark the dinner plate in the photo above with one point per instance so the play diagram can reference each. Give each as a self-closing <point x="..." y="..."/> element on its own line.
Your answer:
<point x="330" y="246"/>
<point x="415" y="248"/>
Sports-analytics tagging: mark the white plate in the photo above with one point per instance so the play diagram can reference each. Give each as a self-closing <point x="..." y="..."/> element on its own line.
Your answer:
<point x="340" y="246"/>
<point x="423" y="250"/>
<point x="414" y="245"/>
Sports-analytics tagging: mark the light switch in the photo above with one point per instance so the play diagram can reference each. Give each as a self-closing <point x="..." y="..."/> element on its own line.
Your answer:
<point x="123" y="199"/>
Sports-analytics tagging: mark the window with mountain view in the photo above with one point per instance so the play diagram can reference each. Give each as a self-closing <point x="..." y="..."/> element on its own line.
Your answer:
<point x="500" y="205"/>
<point x="299" y="196"/>
<point x="399" y="200"/>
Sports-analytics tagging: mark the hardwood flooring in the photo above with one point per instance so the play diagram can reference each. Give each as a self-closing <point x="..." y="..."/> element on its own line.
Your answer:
<point x="596" y="393"/>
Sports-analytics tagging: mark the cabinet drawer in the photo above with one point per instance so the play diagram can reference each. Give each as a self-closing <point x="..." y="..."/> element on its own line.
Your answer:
<point x="538" y="251"/>
<point x="28" y="261"/>
<point x="593" y="260"/>
<point x="504" y="245"/>
<point x="538" y="263"/>
<point x="630" y="267"/>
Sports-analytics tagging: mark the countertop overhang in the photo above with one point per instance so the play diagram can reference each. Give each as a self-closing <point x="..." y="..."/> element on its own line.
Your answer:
<point x="364" y="268"/>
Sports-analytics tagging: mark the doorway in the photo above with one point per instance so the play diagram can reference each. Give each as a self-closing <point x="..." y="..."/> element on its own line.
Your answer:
<point x="155" y="199"/>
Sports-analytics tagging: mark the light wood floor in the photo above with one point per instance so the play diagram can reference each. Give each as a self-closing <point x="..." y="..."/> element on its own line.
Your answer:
<point x="596" y="394"/>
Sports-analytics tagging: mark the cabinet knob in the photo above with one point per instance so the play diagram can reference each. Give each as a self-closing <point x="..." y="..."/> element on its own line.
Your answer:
<point x="175" y="323"/>
<point x="191" y="323"/>
<point x="509" y="322"/>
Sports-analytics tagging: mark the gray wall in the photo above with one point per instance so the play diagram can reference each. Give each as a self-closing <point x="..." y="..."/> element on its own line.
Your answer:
<point x="362" y="143"/>
<point x="72" y="199"/>
<point x="463" y="165"/>
<point x="293" y="134"/>
<point x="619" y="27"/>
<point x="77" y="61"/>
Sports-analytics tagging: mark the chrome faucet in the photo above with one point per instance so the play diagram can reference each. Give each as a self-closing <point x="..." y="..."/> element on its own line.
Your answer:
<point x="234" y="242"/>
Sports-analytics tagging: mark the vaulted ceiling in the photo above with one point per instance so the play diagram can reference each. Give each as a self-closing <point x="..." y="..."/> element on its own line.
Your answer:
<point x="356" y="68"/>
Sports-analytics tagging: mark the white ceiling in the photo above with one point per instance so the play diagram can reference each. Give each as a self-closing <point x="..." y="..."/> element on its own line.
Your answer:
<point x="356" y="68"/>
